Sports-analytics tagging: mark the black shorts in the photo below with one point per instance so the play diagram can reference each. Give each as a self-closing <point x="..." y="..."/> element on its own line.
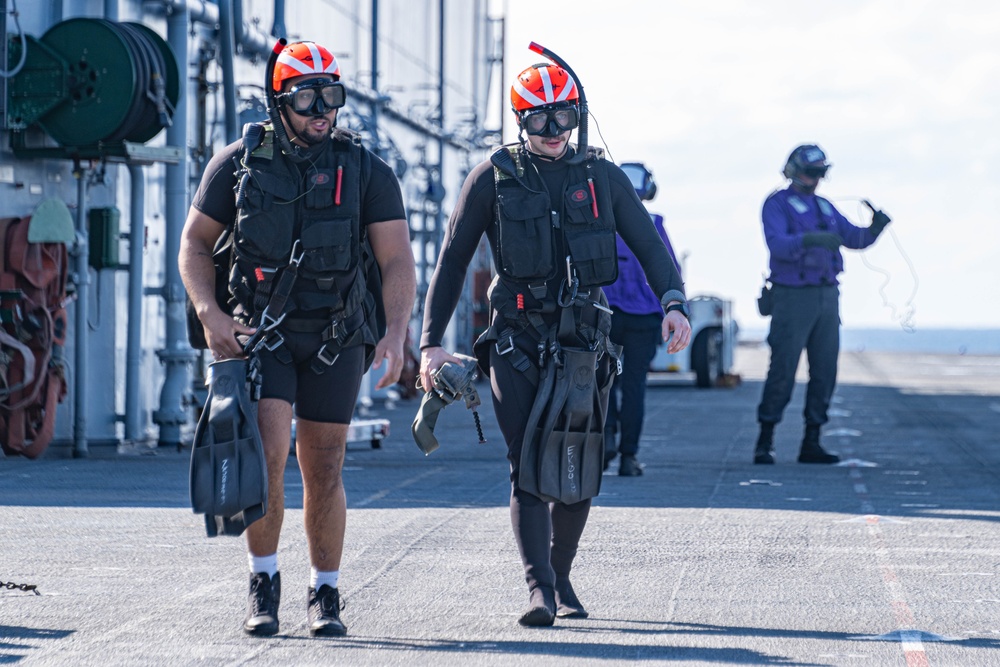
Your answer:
<point x="327" y="397"/>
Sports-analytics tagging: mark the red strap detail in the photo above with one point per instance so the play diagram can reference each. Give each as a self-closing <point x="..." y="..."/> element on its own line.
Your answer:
<point x="593" y="197"/>
<point x="340" y="179"/>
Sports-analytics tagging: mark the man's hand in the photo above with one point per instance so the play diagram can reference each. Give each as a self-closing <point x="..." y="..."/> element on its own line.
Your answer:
<point x="677" y="330"/>
<point x="431" y="359"/>
<point x="827" y="240"/>
<point x="220" y="334"/>
<point x="391" y="349"/>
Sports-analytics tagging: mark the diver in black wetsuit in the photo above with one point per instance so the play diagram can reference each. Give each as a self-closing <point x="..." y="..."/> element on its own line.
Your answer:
<point x="550" y="214"/>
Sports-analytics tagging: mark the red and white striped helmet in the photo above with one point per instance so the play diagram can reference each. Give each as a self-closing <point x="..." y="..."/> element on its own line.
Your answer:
<point x="541" y="85"/>
<point x="300" y="58"/>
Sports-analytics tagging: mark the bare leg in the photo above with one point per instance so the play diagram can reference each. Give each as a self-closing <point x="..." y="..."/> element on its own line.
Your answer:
<point x="320" y="451"/>
<point x="275" y="419"/>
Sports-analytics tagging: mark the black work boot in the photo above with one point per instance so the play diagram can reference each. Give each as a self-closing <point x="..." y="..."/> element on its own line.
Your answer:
<point x="811" y="451"/>
<point x="629" y="467"/>
<point x="324" y="612"/>
<point x="764" y="450"/>
<point x="262" y="604"/>
<point x="567" y="604"/>
<point x="541" y="608"/>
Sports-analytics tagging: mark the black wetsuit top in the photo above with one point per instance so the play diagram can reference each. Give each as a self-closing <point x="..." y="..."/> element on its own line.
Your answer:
<point x="475" y="214"/>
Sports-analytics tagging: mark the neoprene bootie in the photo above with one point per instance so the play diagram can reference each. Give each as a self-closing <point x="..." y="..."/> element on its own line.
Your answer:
<point x="541" y="608"/>
<point x="567" y="604"/>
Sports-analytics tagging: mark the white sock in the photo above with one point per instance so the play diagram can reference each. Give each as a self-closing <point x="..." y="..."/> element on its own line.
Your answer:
<point x="328" y="578"/>
<point x="268" y="564"/>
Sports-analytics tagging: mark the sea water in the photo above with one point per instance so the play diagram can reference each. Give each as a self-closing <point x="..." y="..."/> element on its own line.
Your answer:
<point x="922" y="339"/>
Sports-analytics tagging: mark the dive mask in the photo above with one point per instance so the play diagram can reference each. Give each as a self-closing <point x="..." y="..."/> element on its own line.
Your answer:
<point x="549" y="121"/>
<point x="315" y="97"/>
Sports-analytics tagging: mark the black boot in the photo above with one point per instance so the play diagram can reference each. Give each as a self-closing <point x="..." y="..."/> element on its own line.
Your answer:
<point x="541" y="608"/>
<point x="764" y="450"/>
<point x="262" y="604"/>
<point x="811" y="451"/>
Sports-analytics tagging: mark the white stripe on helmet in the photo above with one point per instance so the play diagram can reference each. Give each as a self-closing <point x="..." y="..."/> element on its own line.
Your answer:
<point x="303" y="68"/>
<point x="531" y="98"/>
<point x="567" y="90"/>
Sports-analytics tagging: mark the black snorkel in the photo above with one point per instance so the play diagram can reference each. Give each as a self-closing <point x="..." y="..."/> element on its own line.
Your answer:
<point x="273" y="112"/>
<point x="581" y="131"/>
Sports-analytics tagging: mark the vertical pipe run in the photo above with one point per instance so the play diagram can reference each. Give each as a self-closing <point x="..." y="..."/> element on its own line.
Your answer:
<point x="377" y="102"/>
<point x="82" y="280"/>
<point x="133" y="342"/>
<point x="226" y="46"/>
<point x="177" y="355"/>
<point x="278" y="29"/>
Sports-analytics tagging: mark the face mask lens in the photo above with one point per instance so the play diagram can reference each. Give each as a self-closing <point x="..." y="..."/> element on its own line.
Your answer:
<point x="535" y="122"/>
<point x="317" y="99"/>
<point x="540" y="122"/>
<point x="565" y="119"/>
<point x="302" y="99"/>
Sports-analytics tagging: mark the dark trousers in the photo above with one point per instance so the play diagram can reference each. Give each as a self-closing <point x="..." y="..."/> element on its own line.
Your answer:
<point x="638" y="335"/>
<point x="803" y="318"/>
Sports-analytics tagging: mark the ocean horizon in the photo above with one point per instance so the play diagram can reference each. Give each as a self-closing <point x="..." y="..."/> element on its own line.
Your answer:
<point x="921" y="339"/>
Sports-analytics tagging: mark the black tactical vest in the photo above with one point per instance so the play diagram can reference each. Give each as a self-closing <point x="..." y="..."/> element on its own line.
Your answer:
<point x="321" y="208"/>
<point x="530" y="220"/>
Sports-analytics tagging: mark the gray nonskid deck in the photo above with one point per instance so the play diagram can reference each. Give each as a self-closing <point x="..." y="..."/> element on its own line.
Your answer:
<point x="706" y="559"/>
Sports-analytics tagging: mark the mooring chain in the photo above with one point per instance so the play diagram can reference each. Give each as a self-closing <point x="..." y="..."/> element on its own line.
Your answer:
<point x="10" y="585"/>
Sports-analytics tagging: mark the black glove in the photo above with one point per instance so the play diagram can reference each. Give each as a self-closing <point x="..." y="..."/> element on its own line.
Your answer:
<point x="879" y="221"/>
<point x="827" y="240"/>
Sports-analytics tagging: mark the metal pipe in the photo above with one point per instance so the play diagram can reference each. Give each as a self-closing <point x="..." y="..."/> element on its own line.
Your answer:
<point x="279" y="29"/>
<point x="133" y="340"/>
<point x="177" y="355"/>
<point x="81" y="279"/>
<point x="226" y="28"/>
<point x="198" y="11"/>
<point x="376" y="142"/>
<point x="248" y="38"/>
<point x="438" y="217"/>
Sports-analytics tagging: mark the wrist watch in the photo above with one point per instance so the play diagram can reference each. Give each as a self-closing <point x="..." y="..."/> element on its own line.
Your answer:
<point x="682" y="306"/>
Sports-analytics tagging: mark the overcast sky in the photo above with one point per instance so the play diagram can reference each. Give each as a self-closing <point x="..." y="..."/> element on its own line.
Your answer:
<point x="904" y="96"/>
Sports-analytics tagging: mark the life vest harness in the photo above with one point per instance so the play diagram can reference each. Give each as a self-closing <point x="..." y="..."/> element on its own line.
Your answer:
<point x="328" y="251"/>
<point x="521" y="294"/>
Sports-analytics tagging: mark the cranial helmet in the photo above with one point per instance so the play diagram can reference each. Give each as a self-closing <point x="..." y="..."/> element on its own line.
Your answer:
<point x="300" y="58"/>
<point x="808" y="160"/>
<point x="542" y="85"/>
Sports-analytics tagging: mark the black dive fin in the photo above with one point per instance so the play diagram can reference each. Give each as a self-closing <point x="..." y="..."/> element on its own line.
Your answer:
<point x="527" y="476"/>
<point x="565" y="460"/>
<point x="228" y="468"/>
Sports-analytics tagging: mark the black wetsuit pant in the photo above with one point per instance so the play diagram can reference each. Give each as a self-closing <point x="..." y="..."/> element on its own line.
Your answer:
<point x="638" y="335"/>
<point x="803" y="318"/>
<point x="547" y="534"/>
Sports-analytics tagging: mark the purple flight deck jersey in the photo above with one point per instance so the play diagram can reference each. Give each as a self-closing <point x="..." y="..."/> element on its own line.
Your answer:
<point x="787" y="215"/>
<point x="631" y="293"/>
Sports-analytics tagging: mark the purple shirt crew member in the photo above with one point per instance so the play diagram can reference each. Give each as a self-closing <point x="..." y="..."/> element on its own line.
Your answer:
<point x="804" y="234"/>
<point x="635" y="325"/>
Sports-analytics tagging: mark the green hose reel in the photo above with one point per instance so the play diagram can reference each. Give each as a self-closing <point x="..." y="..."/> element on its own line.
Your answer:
<point x="91" y="81"/>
